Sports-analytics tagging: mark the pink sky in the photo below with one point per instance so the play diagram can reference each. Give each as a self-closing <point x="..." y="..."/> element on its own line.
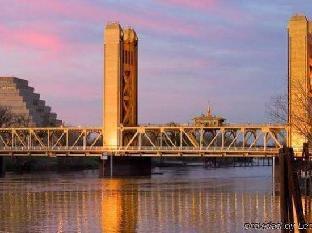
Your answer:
<point x="192" y="53"/>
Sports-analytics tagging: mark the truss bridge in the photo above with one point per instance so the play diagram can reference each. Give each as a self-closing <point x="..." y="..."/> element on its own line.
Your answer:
<point x="146" y="140"/>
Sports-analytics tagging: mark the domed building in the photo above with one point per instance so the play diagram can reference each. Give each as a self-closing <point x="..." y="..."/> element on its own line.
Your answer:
<point x="208" y="120"/>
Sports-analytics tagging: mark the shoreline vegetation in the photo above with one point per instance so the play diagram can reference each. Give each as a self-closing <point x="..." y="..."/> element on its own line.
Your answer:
<point x="26" y="164"/>
<point x="32" y="164"/>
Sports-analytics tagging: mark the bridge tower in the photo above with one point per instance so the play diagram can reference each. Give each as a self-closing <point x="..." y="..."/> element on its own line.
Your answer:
<point x="120" y="99"/>
<point x="299" y="77"/>
<point x="120" y="81"/>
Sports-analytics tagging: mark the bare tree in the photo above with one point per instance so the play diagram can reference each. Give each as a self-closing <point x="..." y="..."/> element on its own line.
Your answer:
<point x="5" y="117"/>
<point x="9" y="119"/>
<point x="301" y="110"/>
<point x="277" y="109"/>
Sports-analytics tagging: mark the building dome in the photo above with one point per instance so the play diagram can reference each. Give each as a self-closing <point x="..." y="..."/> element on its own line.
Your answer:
<point x="129" y="35"/>
<point x="298" y="17"/>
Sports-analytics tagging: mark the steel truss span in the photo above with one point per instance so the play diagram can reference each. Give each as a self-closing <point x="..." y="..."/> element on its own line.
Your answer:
<point x="51" y="141"/>
<point x="232" y="140"/>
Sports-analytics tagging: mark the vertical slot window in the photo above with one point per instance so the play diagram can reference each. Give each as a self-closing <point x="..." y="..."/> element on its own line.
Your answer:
<point x="131" y="58"/>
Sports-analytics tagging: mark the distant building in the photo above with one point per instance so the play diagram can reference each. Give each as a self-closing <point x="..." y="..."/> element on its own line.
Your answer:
<point x="16" y="95"/>
<point x="208" y="120"/>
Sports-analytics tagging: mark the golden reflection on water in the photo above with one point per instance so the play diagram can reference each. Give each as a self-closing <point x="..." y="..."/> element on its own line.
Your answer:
<point x="130" y="205"/>
<point x="119" y="209"/>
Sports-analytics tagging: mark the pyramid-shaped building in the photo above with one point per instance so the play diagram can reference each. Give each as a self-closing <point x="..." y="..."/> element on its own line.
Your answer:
<point x="21" y="99"/>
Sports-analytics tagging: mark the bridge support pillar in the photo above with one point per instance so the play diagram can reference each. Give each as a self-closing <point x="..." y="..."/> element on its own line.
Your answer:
<point x="275" y="176"/>
<point x="2" y="167"/>
<point x="123" y="166"/>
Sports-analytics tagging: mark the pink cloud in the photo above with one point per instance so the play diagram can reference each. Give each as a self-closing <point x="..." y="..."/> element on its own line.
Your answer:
<point x="91" y="13"/>
<point x="61" y="90"/>
<point x="221" y="8"/>
<point x="39" y="40"/>
<point x="160" y="65"/>
<point x="195" y="4"/>
<point x="30" y="38"/>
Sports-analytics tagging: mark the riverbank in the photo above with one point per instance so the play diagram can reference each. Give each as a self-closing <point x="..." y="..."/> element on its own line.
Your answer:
<point x="29" y="164"/>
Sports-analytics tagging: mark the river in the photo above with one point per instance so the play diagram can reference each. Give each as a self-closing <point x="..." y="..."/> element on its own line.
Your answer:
<point x="184" y="199"/>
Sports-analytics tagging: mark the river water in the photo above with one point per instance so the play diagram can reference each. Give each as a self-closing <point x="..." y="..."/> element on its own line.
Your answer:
<point x="188" y="199"/>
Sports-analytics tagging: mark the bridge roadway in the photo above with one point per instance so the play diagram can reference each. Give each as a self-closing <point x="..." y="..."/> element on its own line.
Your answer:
<point x="146" y="140"/>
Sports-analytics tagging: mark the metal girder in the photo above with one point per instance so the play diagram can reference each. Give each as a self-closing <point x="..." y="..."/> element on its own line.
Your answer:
<point x="232" y="140"/>
<point x="49" y="141"/>
<point x="246" y="139"/>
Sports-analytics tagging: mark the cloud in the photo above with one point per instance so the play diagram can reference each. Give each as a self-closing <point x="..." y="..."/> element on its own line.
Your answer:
<point x="25" y="37"/>
<point x="195" y="4"/>
<point x="191" y="52"/>
<point x="91" y="13"/>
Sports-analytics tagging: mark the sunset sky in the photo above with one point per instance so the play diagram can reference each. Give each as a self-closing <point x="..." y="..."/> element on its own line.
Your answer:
<point x="229" y="54"/>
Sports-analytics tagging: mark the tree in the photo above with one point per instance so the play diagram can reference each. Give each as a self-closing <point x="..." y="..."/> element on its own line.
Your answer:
<point x="277" y="109"/>
<point x="9" y="119"/>
<point x="298" y="114"/>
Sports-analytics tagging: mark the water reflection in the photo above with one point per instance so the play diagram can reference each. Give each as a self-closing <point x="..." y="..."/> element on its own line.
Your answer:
<point x="179" y="201"/>
<point x="119" y="206"/>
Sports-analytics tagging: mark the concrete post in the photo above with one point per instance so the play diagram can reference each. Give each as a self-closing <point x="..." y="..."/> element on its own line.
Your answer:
<point x="273" y="176"/>
<point x="102" y="163"/>
<point x="125" y="166"/>
<point x="2" y="167"/>
<point x="276" y="176"/>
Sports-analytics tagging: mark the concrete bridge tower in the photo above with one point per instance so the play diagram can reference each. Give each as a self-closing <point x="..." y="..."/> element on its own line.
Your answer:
<point x="120" y="99"/>
<point x="299" y="78"/>
<point x="120" y="81"/>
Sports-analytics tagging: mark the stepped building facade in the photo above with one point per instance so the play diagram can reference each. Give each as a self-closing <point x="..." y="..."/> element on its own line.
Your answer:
<point x="16" y="95"/>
